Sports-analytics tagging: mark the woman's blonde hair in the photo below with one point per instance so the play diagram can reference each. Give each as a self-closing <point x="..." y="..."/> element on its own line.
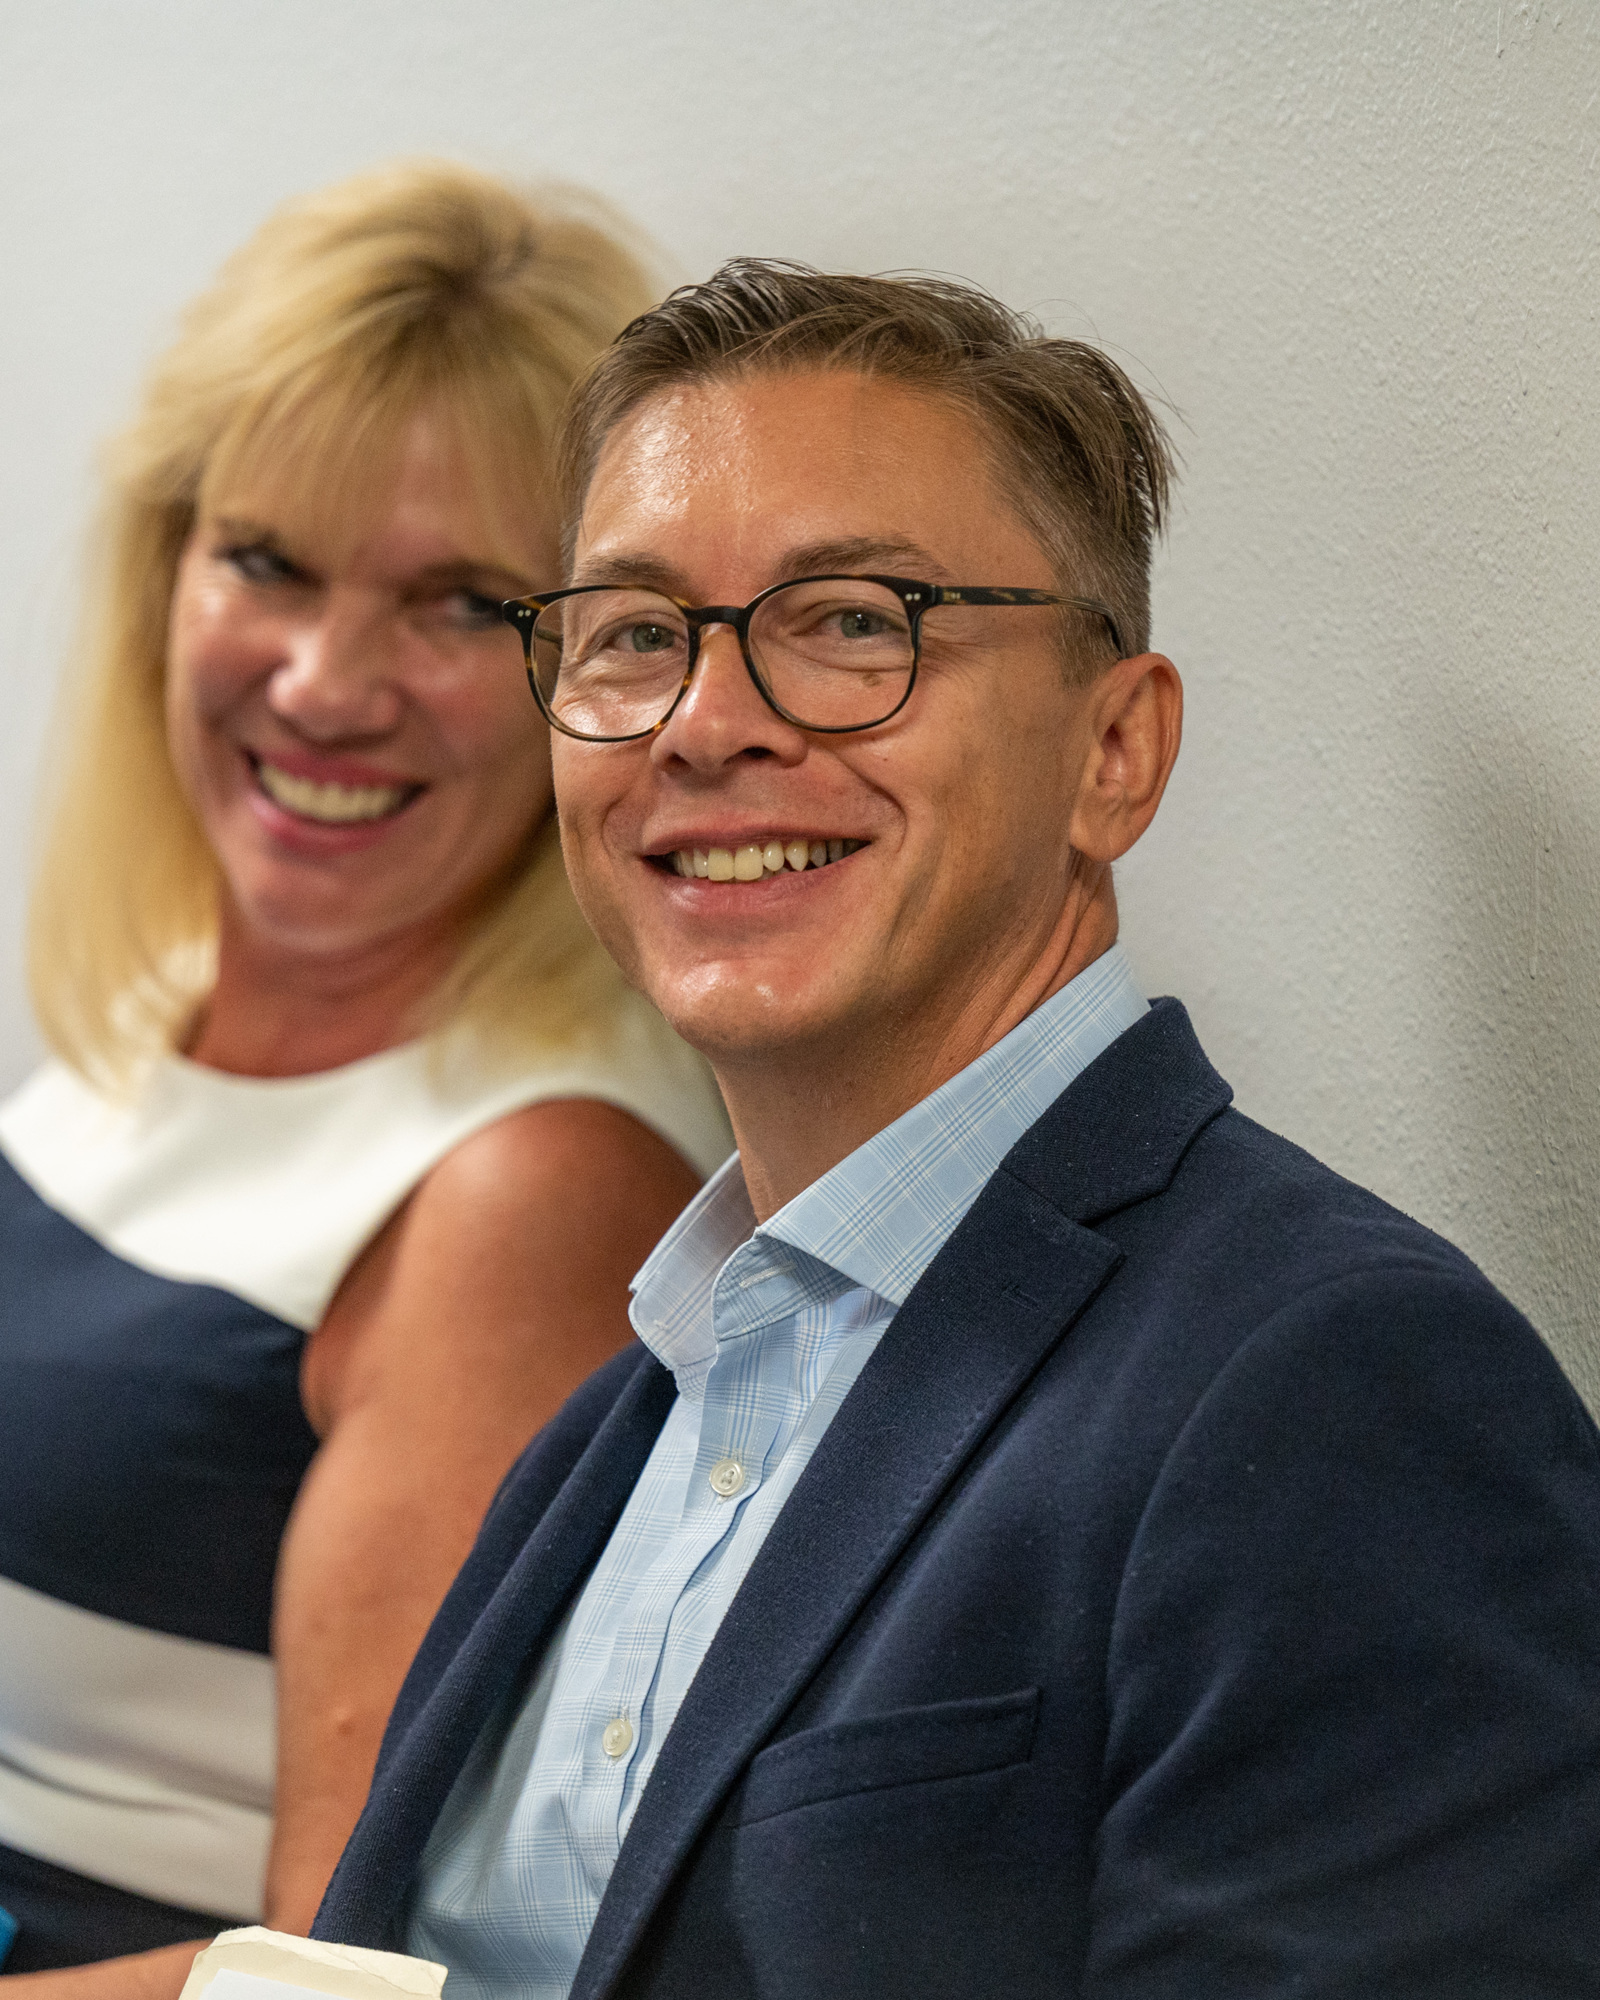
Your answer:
<point x="423" y="283"/>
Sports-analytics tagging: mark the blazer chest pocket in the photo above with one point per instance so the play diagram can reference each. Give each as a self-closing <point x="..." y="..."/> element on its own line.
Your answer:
<point x="908" y="1746"/>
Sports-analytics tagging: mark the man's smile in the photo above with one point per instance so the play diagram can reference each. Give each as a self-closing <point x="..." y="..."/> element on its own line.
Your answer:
<point x="756" y="860"/>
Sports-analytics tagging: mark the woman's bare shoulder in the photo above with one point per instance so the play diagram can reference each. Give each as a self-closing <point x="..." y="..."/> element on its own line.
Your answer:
<point x="555" y="1147"/>
<point x="507" y="1267"/>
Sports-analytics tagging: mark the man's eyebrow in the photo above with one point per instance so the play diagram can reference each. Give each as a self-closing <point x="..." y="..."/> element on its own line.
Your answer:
<point x="850" y="556"/>
<point x="891" y="554"/>
<point x="640" y="572"/>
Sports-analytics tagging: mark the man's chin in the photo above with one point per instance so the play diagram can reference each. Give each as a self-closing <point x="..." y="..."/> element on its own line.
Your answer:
<point x="734" y="1020"/>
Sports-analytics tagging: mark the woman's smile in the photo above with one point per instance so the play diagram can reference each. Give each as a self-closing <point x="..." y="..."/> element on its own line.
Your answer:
<point x="330" y="801"/>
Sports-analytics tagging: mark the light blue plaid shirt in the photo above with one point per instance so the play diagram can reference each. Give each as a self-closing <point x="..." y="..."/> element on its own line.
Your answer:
<point x="765" y="1329"/>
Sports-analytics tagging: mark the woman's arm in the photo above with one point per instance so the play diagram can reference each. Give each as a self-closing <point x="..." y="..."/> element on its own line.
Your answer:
<point x="468" y="1320"/>
<point x="498" y="1288"/>
<point x="147" y="1975"/>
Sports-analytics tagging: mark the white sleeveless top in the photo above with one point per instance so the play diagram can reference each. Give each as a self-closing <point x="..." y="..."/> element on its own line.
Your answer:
<point x="156" y="1257"/>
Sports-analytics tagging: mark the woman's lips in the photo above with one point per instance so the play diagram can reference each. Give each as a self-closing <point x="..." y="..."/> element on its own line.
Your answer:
<point x="325" y="801"/>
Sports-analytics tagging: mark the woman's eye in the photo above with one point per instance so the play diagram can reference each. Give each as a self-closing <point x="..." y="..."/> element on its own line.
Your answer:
<point x="473" y="610"/>
<point x="257" y="562"/>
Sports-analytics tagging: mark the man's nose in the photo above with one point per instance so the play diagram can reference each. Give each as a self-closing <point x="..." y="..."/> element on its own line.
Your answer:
<point x="723" y="714"/>
<point x="340" y="673"/>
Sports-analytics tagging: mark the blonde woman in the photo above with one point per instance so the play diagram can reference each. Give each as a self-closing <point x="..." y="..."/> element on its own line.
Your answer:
<point x="354" y="1137"/>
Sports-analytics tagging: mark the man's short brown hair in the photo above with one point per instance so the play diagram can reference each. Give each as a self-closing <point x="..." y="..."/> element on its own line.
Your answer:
<point x="1076" y="448"/>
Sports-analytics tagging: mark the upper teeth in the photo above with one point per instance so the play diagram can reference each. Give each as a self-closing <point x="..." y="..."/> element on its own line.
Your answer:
<point x="338" y="803"/>
<point x="768" y="857"/>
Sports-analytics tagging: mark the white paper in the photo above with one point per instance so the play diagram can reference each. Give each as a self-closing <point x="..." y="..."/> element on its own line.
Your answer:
<point x="231" y="1985"/>
<point x="258" y="1964"/>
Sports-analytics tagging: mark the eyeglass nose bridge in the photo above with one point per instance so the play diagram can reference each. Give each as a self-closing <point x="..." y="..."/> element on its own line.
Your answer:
<point x="738" y="616"/>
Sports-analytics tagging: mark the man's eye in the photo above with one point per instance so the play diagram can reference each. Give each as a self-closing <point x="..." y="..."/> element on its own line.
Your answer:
<point x="650" y="638"/>
<point x="861" y="624"/>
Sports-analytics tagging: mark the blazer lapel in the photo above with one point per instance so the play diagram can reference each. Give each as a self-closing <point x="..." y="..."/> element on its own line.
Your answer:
<point x="966" y="1341"/>
<point x="989" y="1310"/>
<point x="1117" y="1134"/>
<point x="382" y="1858"/>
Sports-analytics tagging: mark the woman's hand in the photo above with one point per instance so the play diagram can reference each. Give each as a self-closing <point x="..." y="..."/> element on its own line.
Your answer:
<point x="497" y="1288"/>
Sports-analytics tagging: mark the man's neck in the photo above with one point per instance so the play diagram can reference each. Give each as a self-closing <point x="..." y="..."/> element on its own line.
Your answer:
<point x="799" y="1111"/>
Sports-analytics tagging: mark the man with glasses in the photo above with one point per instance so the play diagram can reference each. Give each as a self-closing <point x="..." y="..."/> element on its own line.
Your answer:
<point x="1054" y="1537"/>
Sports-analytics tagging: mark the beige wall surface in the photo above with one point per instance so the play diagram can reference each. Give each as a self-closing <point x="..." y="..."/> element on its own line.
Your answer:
<point x="1354" y="243"/>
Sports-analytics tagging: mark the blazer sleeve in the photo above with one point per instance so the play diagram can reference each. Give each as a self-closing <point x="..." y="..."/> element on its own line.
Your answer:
<point x="1354" y="1682"/>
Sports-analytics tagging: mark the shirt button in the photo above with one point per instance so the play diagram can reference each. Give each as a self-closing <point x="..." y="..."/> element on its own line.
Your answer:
<point x="727" y="1476"/>
<point x="616" y="1736"/>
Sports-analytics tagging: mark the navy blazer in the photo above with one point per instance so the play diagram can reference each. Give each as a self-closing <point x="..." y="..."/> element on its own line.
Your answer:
<point x="1197" y="1594"/>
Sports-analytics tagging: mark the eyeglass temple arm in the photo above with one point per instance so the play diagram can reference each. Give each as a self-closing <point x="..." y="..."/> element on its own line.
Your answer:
<point x="971" y="595"/>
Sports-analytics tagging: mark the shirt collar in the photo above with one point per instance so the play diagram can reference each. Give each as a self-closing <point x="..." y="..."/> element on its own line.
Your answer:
<point x="881" y="1215"/>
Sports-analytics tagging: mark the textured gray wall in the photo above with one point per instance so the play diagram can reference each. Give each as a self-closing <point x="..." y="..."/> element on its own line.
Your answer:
<point x="1355" y="245"/>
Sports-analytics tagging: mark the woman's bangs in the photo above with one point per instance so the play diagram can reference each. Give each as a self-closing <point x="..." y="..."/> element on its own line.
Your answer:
<point x="326" y="459"/>
<point x="320" y="459"/>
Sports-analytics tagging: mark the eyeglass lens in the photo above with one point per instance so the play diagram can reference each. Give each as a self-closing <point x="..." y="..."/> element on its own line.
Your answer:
<point x="833" y="653"/>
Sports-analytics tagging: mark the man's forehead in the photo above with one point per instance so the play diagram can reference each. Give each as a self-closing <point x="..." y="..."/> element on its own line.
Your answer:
<point x="818" y="471"/>
<point x="801" y="423"/>
<point x="791" y="404"/>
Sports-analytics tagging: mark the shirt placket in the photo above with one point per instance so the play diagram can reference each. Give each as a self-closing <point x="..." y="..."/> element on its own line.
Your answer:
<point x="743" y="1413"/>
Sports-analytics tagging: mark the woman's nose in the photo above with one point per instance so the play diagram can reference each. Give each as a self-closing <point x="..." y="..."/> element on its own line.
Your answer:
<point x="340" y="673"/>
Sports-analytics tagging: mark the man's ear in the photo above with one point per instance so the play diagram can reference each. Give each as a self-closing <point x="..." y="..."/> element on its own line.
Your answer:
<point x="1135" y="724"/>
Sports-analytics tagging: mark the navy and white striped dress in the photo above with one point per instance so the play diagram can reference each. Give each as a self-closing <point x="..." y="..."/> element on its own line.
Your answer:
<point x="161" y="1262"/>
